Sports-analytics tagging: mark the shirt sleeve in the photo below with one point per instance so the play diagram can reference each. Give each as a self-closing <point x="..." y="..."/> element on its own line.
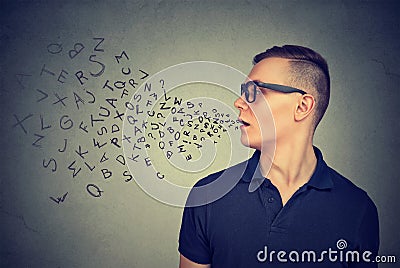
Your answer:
<point x="368" y="237"/>
<point x="193" y="240"/>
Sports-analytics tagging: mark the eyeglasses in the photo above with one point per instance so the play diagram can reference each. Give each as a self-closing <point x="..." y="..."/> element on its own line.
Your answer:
<point x="250" y="89"/>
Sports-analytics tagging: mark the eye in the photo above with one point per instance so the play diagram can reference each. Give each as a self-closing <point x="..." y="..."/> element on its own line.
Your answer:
<point x="258" y="91"/>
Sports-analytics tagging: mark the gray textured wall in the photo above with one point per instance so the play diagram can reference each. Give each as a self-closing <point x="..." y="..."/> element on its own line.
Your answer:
<point x="125" y="227"/>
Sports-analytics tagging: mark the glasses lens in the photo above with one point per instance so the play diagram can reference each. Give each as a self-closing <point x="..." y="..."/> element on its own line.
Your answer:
<point x="243" y="89"/>
<point x="251" y="89"/>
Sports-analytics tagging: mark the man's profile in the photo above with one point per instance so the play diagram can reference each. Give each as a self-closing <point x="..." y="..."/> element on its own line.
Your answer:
<point x="302" y="212"/>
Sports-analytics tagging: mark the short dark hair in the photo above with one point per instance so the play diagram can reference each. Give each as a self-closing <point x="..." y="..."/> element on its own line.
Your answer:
<point x="308" y="69"/>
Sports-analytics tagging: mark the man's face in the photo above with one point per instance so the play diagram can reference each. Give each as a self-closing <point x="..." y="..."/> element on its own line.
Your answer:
<point x="268" y="119"/>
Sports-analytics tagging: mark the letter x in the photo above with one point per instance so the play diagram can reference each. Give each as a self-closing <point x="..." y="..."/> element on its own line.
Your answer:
<point x="60" y="99"/>
<point x="19" y="122"/>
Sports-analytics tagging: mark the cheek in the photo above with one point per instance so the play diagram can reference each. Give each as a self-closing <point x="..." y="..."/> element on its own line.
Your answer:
<point x="263" y="117"/>
<point x="283" y="117"/>
<point x="264" y="126"/>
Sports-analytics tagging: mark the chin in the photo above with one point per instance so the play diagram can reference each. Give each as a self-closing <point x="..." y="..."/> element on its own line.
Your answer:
<point x="251" y="137"/>
<point x="251" y="144"/>
<point x="245" y="143"/>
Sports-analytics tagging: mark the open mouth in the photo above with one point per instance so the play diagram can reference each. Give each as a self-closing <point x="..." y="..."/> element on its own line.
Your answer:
<point x="244" y="123"/>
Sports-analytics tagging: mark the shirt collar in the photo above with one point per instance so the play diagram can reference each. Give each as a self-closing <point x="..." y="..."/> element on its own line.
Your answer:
<point x="319" y="180"/>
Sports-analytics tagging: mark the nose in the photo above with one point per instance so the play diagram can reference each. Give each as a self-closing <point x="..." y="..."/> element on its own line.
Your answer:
<point x="240" y="103"/>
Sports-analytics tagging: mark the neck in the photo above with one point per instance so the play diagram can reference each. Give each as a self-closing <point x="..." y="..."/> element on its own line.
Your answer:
<point x="292" y="165"/>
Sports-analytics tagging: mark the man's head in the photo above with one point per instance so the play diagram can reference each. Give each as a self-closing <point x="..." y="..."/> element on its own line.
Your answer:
<point x="308" y="70"/>
<point x="300" y="104"/>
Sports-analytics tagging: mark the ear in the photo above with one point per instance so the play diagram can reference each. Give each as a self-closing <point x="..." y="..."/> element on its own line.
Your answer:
<point x="305" y="106"/>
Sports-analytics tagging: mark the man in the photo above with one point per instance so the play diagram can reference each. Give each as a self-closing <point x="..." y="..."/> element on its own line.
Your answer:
<point x="289" y="208"/>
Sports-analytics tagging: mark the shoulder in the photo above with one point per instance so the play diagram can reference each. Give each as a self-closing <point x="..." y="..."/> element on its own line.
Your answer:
<point x="217" y="185"/>
<point x="342" y="191"/>
<point x="236" y="171"/>
<point x="350" y="192"/>
<point x="208" y="179"/>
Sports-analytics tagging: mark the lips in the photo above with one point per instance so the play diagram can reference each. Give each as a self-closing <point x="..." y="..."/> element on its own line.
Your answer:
<point x="244" y="123"/>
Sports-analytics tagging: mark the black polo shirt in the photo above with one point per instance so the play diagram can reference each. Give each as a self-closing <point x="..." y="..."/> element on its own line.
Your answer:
<point x="328" y="222"/>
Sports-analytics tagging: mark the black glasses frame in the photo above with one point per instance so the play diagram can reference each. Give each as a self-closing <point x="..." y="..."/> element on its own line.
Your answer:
<point x="252" y="85"/>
